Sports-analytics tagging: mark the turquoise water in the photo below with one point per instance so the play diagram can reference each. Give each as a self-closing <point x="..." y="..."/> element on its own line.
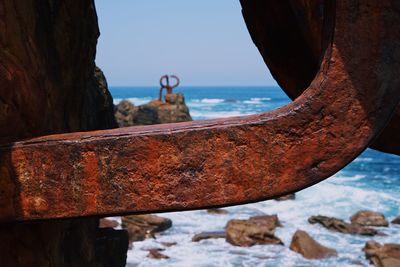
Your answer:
<point x="371" y="181"/>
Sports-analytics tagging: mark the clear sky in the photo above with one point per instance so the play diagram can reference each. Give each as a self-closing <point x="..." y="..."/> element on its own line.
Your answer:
<point x="204" y="42"/>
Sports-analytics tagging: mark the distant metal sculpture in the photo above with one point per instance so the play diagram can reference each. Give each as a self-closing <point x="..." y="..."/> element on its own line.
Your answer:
<point x="167" y="86"/>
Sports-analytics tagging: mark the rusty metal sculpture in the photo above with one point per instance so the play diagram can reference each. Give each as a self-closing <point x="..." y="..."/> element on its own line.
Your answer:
<point x="167" y="86"/>
<point x="225" y="161"/>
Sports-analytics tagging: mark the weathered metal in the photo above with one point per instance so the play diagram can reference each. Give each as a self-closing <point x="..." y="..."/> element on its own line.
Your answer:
<point x="225" y="161"/>
<point x="288" y="34"/>
<point x="167" y="86"/>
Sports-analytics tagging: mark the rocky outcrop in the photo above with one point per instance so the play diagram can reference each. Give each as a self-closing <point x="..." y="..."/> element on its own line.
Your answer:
<point x="154" y="112"/>
<point x="270" y="221"/>
<point x="396" y="220"/>
<point x="141" y="227"/>
<point x="156" y="254"/>
<point x="286" y="197"/>
<point x="369" y="218"/>
<point x="49" y="84"/>
<point x="246" y="233"/>
<point x="208" y="235"/>
<point x="106" y="223"/>
<point x="387" y="255"/>
<point x="305" y="245"/>
<point x="341" y="226"/>
<point x="217" y="211"/>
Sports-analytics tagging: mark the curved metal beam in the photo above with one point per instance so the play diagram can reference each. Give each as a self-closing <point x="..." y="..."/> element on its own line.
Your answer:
<point x="288" y="34"/>
<point x="225" y="161"/>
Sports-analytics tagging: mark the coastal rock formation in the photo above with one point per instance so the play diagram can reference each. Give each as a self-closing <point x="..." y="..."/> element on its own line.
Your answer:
<point x="286" y="197"/>
<point x="341" y="226"/>
<point x="270" y="221"/>
<point x="305" y="245"/>
<point x="208" y="235"/>
<point x="156" y="254"/>
<point x="154" y="112"/>
<point x="396" y="220"/>
<point x="106" y="223"/>
<point x="141" y="227"/>
<point x="50" y="84"/>
<point x="369" y="218"/>
<point x="387" y="255"/>
<point x="217" y="211"/>
<point x="246" y="233"/>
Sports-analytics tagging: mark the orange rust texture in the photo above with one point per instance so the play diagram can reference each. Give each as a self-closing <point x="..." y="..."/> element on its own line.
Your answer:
<point x="289" y="36"/>
<point x="226" y="161"/>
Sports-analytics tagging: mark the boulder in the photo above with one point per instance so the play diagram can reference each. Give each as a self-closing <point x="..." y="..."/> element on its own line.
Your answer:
<point x="341" y="226"/>
<point x="106" y="223"/>
<point x="156" y="254"/>
<point x="369" y="218"/>
<point x="271" y="221"/>
<point x="154" y="112"/>
<point x="387" y="255"/>
<point x="141" y="227"/>
<point x="286" y="197"/>
<point x="208" y="235"/>
<point x="217" y="211"/>
<point x="305" y="245"/>
<point x="396" y="220"/>
<point x="247" y="233"/>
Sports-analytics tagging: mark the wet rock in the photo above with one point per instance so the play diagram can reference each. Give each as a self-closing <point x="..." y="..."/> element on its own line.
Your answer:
<point x="369" y="218"/>
<point x="387" y="255"/>
<point x="125" y="113"/>
<point x="305" y="245"/>
<point x="141" y="227"/>
<point x="208" y="235"/>
<point x="106" y="223"/>
<point x="247" y="233"/>
<point x="396" y="220"/>
<point x="286" y="197"/>
<point x="156" y="254"/>
<point x="154" y="112"/>
<point x="217" y="211"/>
<point x="270" y="221"/>
<point x="341" y="226"/>
<point x="168" y="244"/>
<point x="111" y="247"/>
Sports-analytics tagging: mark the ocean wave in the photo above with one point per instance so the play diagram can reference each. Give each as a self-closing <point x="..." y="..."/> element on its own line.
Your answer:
<point x="208" y="100"/>
<point x="135" y="100"/>
<point x="217" y="114"/>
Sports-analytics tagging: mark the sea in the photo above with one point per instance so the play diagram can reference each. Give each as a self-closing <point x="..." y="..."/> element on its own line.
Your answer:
<point x="370" y="182"/>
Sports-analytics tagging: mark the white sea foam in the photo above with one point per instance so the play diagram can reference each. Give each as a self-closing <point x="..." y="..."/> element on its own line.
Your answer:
<point x="209" y="100"/>
<point x="135" y="100"/>
<point x="217" y="114"/>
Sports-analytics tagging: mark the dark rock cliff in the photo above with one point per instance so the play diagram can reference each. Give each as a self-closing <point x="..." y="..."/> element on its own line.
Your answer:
<point x="49" y="84"/>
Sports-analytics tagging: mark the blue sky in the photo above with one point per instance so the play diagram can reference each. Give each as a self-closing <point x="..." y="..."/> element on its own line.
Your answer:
<point x="204" y="42"/>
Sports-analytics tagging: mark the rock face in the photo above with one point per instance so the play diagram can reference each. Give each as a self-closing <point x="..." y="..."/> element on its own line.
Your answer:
<point x="154" y="112"/>
<point x="286" y="197"/>
<point x="396" y="220"/>
<point x="208" y="235"/>
<point x="246" y="233"/>
<point x="49" y="84"/>
<point x="140" y="227"/>
<point x="217" y="211"/>
<point x="270" y="221"/>
<point x="369" y="218"/>
<point x="305" y="245"/>
<point x="106" y="223"/>
<point x="338" y="225"/>
<point x="387" y="255"/>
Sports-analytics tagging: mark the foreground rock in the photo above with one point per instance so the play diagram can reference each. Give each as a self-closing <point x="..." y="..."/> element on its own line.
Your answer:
<point x="217" y="211"/>
<point x="154" y="112"/>
<point x="340" y="226"/>
<point x="270" y="221"/>
<point x="156" y="254"/>
<point x="107" y="223"/>
<point x="246" y="233"/>
<point x="396" y="220"/>
<point x="208" y="235"/>
<point x="141" y="227"/>
<point x="369" y="218"/>
<point x="387" y="255"/>
<point x="305" y="245"/>
<point x="286" y="197"/>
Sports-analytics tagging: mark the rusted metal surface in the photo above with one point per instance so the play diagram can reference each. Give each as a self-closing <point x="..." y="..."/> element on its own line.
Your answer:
<point x="165" y="85"/>
<point x="225" y="161"/>
<point x="288" y="35"/>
